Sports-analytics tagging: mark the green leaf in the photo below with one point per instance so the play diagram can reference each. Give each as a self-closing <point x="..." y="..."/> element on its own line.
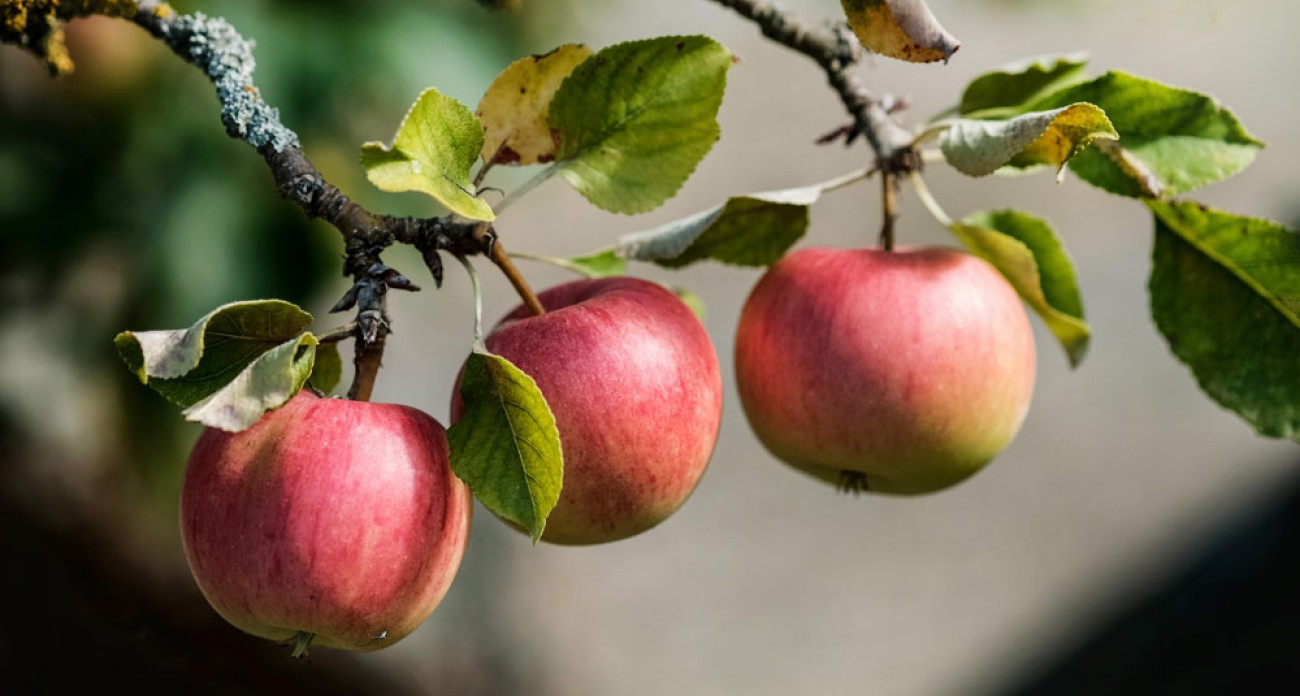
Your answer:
<point x="753" y="230"/>
<point x="636" y="118"/>
<point x="433" y="151"/>
<point x="505" y="445"/>
<point x="1178" y="140"/>
<point x="1225" y="293"/>
<point x="188" y="365"/>
<point x="978" y="148"/>
<point x="600" y="264"/>
<point x="328" y="370"/>
<point x="1003" y="92"/>
<point x="231" y="366"/>
<point x="514" y="109"/>
<point x="266" y="384"/>
<point x="903" y="29"/>
<point x="1028" y="253"/>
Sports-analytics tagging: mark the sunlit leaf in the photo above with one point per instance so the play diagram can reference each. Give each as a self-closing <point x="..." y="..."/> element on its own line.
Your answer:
<point x="636" y="118"/>
<point x="433" y="151"/>
<point x="1175" y="140"/>
<point x="1030" y="256"/>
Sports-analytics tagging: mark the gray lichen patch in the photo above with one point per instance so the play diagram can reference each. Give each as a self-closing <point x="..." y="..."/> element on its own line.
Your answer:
<point x="214" y="46"/>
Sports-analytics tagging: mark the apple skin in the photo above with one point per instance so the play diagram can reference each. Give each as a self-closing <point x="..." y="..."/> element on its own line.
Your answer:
<point x="634" y="383"/>
<point x="913" y="367"/>
<point x="331" y="517"/>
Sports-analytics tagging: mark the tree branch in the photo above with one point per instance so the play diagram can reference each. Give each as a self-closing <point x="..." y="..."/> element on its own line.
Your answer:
<point x="837" y="51"/>
<point x="216" y="48"/>
<point x="37" y="25"/>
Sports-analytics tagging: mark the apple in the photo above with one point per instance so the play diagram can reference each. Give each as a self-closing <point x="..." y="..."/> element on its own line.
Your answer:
<point x="328" y="521"/>
<point x="635" y="386"/>
<point x="909" y="370"/>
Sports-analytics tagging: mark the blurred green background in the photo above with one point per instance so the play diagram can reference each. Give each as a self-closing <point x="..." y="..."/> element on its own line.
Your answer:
<point x="124" y="205"/>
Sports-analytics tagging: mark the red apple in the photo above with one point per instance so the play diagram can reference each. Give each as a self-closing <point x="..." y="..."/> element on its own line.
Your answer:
<point x="634" y="383"/>
<point x="913" y="368"/>
<point x="329" y="518"/>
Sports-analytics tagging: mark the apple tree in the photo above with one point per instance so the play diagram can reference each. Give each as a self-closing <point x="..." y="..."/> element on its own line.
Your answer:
<point x="589" y="414"/>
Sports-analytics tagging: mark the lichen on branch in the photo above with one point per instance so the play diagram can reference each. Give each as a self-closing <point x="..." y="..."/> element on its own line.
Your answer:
<point x="226" y="57"/>
<point x="37" y="25"/>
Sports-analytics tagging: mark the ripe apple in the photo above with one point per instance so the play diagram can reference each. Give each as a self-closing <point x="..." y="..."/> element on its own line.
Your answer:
<point x="334" y="519"/>
<point x="634" y="383"/>
<point x="912" y="368"/>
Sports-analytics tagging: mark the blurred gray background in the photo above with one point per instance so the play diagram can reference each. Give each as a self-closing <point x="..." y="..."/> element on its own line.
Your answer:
<point x="123" y="205"/>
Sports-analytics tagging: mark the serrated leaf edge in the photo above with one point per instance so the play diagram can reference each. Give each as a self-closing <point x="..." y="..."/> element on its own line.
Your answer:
<point x="1219" y="259"/>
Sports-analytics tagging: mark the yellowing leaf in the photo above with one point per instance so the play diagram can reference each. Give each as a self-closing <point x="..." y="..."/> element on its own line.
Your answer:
<point x="1029" y="255"/>
<point x="902" y="29"/>
<point x="977" y="148"/>
<point x="1172" y="140"/>
<point x="513" y="111"/>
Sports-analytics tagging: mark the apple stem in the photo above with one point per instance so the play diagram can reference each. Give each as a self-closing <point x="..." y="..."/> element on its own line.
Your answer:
<point x="301" y="641"/>
<point x="497" y="252"/>
<point x="369" y="354"/>
<point x="889" y="195"/>
<point x="371" y="328"/>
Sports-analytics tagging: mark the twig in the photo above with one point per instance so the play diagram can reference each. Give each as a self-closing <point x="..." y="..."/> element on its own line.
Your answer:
<point x="216" y="48"/>
<point x="226" y="58"/>
<point x="497" y="253"/>
<point x="341" y="333"/>
<point x="37" y="25"/>
<point x="836" y="52"/>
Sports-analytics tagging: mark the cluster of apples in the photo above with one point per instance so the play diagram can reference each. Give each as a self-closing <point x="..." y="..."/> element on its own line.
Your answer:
<point x="341" y="522"/>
